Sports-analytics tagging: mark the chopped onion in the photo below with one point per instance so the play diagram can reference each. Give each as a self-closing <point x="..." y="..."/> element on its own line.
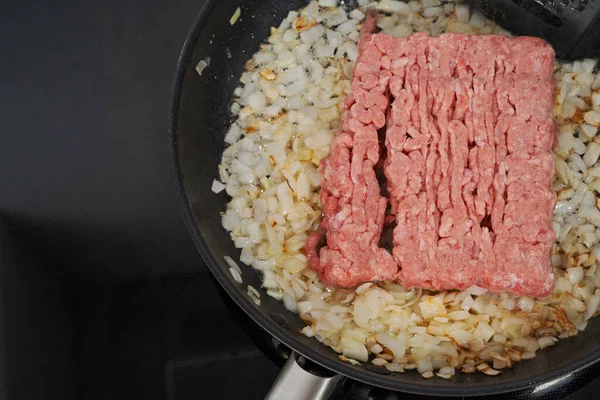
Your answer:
<point x="592" y="306"/>
<point x="462" y="12"/>
<point x="476" y="291"/>
<point x="235" y="16"/>
<point x="396" y="345"/>
<point x="217" y="186"/>
<point x="328" y="3"/>
<point x="591" y="154"/>
<point x="592" y="118"/>
<point x="202" y="64"/>
<point x="354" y="349"/>
<point x="526" y="304"/>
<point x="424" y="365"/>
<point x="575" y="275"/>
<point x="393" y="6"/>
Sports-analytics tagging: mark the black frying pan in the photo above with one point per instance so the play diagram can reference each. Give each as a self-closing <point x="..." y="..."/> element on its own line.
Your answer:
<point x="199" y="118"/>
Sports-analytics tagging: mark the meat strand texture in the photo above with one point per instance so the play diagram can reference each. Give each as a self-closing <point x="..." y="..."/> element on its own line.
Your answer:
<point x="353" y="207"/>
<point x="468" y="161"/>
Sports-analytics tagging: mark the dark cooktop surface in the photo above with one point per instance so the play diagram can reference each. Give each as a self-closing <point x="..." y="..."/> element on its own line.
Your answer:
<point x="103" y="295"/>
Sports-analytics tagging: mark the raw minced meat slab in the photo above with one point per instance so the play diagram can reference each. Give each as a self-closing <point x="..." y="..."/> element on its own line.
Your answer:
<point x="353" y="206"/>
<point x="468" y="161"/>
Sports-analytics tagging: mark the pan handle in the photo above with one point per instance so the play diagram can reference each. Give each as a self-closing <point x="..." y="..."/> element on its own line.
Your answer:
<point x="298" y="381"/>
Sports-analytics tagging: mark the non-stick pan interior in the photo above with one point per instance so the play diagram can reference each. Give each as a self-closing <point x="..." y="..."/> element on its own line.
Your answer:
<point x="200" y="117"/>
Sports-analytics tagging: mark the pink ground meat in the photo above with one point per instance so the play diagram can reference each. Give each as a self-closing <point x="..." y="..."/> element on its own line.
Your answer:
<point x="468" y="161"/>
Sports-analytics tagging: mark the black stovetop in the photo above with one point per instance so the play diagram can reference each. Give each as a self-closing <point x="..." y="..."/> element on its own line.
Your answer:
<point x="103" y="295"/>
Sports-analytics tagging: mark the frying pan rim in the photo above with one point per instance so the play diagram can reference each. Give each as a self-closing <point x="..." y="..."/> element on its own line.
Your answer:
<point x="267" y="323"/>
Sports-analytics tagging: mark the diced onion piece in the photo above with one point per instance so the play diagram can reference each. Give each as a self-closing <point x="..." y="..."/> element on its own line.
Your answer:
<point x="433" y="12"/>
<point x="484" y="331"/>
<point x="575" y="275"/>
<point x="427" y="374"/>
<point x="591" y="154"/>
<point x="217" y="186"/>
<point x="592" y="214"/>
<point x="232" y="263"/>
<point x="202" y="64"/>
<point x="588" y="65"/>
<point x="396" y="345"/>
<point x="235" y="275"/>
<point x="592" y="118"/>
<point x="424" y="365"/>
<point x="546" y="341"/>
<point x="328" y="3"/>
<point x="235" y="16"/>
<point x="354" y="349"/>
<point x="394" y="6"/>
<point x="476" y="291"/>
<point x="592" y="306"/>
<point x="462" y="12"/>
<point x="293" y="265"/>
<point x="589" y="130"/>
<point x="486" y="369"/>
<point x="467" y="303"/>
<point x="526" y="304"/>
<point x="432" y="307"/>
<point x="363" y="288"/>
<point x="307" y="331"/>
<point x="284" y="194"/>
<point x="478" y="20"/>
<point x="394" y="367"/>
